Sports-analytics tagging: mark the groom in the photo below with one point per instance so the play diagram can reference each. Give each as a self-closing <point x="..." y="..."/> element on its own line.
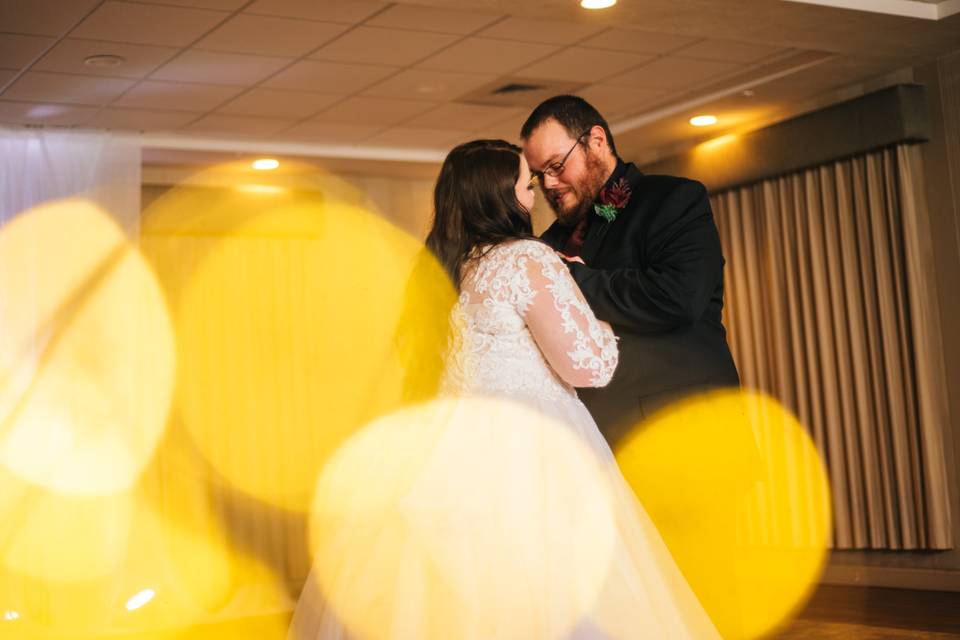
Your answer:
<point x="645" y="251"/>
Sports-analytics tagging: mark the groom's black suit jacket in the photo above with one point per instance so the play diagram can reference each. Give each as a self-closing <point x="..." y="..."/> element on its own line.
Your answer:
<point x="656" y="274"/>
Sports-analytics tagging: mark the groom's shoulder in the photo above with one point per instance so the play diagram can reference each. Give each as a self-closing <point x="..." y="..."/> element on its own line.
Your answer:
<point x="670" y="200"/>
<point x="662" y="186"/>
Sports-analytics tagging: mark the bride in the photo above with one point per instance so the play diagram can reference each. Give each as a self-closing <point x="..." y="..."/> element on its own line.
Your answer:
<point x="524" y="333"/>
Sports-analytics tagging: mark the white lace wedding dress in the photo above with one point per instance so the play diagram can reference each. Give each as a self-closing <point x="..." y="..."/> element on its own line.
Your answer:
<point x="524" y="333"/>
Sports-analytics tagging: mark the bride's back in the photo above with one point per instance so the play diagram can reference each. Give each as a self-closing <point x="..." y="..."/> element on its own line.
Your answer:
<point x="521" y="328"/>
<point x="493" y="350"/>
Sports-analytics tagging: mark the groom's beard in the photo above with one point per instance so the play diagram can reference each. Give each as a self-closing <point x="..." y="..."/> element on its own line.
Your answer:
<point x="584" y="193"/>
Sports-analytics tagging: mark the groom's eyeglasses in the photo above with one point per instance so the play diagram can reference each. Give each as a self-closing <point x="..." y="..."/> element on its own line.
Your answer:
<point x="555" y="169"/>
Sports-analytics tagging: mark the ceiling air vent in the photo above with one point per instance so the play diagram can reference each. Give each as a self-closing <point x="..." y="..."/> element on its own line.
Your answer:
<point x="518" y="92"/>
<point x="516" y="87"/>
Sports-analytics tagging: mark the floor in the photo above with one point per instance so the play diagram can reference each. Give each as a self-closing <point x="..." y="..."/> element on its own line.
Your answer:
<point x="870" y="613"/>
<point x="834" y="612"/>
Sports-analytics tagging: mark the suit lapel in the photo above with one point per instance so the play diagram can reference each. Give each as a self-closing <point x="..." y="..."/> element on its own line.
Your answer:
<point x="599" y="227"/>
<point x="557" y="235"/>
<point x="596" y="232"/>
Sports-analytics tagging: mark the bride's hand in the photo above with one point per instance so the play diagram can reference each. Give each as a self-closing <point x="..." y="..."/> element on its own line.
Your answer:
<point x="571" y="258"/>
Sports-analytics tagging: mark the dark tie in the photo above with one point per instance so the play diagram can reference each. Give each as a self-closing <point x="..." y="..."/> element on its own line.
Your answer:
<point x="575" y="241"/>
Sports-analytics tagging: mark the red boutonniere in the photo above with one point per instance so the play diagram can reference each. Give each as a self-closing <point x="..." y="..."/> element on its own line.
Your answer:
<point x="612" y="199"/>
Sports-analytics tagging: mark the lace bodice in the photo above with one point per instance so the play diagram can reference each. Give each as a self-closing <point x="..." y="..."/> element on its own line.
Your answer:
<point x="522" y="327"/>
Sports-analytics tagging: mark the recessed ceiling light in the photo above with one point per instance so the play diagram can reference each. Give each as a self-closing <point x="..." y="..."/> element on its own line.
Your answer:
<point x="104" y="61"/>
<point x="597" y="4"/>
<point x="703" y="121"/>
<point x="265" y="164"/>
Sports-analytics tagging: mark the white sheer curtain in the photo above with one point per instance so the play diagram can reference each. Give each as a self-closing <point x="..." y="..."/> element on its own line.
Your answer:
<point x="40" y="166"/>
<point x="86" y="376"/>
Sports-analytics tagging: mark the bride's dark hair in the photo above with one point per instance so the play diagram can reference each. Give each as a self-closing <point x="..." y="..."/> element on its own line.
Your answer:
<point x="475" y="203"/>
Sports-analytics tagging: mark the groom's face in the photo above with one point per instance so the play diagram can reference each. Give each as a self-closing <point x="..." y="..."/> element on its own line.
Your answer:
<point x="570" y="193"/>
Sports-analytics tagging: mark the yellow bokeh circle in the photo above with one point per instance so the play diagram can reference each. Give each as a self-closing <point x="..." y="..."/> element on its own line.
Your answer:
<point x="461" y="518"/>
<point x="86" y="351"/>
<point x="740" y="495"/>
<point x="299" y="317"/>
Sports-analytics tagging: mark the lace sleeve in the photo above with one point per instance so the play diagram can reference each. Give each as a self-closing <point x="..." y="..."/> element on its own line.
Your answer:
<point x="580" y="348"/>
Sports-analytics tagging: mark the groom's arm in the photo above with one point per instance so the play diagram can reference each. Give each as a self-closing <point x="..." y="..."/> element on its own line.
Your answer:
<point x="685" y="265"/>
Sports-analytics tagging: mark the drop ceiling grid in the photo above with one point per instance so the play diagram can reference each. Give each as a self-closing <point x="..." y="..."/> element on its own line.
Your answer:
<point x="487" y="29"/>
<point x="277" y="100"/>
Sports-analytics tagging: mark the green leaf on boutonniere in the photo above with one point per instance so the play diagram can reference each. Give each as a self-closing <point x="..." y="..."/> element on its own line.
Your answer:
<point x="612" y="198"/>
<point x="606" y="211"/>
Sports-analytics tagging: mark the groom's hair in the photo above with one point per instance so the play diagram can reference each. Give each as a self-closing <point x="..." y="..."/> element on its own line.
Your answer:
<point x="575" y="114"/>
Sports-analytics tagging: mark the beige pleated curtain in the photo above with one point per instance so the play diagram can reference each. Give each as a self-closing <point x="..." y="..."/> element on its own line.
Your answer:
<point x="831" y="307"/>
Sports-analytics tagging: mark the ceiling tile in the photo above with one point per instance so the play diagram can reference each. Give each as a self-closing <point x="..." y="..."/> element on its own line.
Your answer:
<point x="39" y="86"/>
<point x="374" y="111"/>
<point x="140" y="119"/>
<point x="152" y="94"/>
<point x="407" y="16"/>
<point x="332" y="77"/>
<point x="329" y="132"/>
<point x="219" y="5"/>
<point x="68" y="56"/>
<point x="39" y="113"/>
<point x="279" y="103"/>
<point x="673" y="73"/>
<point x="546" y="31"/>
<point x="270" y="36"/>
<point x="508" y="130"/>
<point x="729" y="51"/>
<point x="18" y="51"/>
<point x="43" y="17"/>
<point x="611" y="101"/>
<point x="371" y="45"/>
<point x="464" y="117"/>
<point x="418" y="138"/>
<point x="147" y="24"/>
<point x="637" y="41"/>
<point x="351" y="12"/>
<point x="219" y="68"/>
<point x="433" y="85"/>
<point x="239" y="125"/>
<point x="781" y="89"/>
<point x="581" y="64"/>
<point x="484" y="55"/>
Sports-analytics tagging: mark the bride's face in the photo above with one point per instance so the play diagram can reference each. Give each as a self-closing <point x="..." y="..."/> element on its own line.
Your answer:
<point x="524" y="187"/>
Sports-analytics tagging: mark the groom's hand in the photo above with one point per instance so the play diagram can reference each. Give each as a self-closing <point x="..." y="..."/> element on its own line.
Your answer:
<point x="571" y="258"/>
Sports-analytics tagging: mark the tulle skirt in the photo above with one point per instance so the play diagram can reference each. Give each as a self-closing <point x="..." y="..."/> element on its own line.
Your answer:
<point x="489" y="518"/>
